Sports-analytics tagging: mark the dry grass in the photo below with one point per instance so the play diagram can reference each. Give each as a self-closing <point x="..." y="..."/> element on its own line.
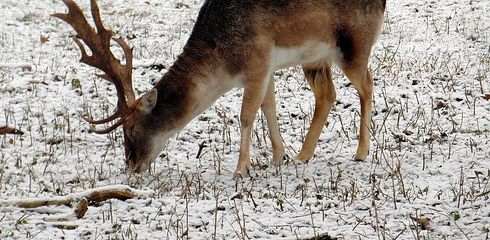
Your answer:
<point x="427" y="176"/>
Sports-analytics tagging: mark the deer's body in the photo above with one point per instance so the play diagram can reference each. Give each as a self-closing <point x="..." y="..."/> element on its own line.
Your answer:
<point x="240" y="43"/>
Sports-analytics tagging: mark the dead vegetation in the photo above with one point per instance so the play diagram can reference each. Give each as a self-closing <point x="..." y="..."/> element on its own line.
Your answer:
<point x="427" y="176"/>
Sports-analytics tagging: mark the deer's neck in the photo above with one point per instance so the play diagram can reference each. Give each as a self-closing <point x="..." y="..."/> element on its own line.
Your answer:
<point x="190" y="86"/>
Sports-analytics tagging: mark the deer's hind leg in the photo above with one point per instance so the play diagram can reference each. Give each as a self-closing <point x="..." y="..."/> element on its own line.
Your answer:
<point x="359" y="75"/>
<point x="319" y="77"/>
<point x="354" y="64"/>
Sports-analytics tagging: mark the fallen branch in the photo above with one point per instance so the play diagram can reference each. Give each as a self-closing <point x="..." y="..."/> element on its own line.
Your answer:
<point x="78" y="213"/>
<point x="66" y="221"/>
<point x="81" y="208"/>
<point x="96" y="195"/>
<point x="25" y="66"/>
<point x="66" y="226"/>
<point x="9" y="130"/>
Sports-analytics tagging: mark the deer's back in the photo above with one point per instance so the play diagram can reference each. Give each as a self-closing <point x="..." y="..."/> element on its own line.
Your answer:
<point x="237" y="28"/>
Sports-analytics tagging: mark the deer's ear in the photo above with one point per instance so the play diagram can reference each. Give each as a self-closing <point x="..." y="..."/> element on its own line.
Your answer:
<point x="148" y="101"/>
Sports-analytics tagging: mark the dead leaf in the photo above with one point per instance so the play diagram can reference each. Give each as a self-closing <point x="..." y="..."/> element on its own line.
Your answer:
<point x="44" y="39"/>
<point x="238" y="195"/>
<point x="486" y="96"/>
<point x="440" y="104"/>
<point x="423" y="222"/>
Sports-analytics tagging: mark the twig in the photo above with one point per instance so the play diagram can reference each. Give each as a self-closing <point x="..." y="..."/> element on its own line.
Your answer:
<point x="201" y="147"/>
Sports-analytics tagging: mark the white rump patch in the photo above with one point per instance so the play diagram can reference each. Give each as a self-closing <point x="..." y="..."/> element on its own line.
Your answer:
<point x="308" y="53"/>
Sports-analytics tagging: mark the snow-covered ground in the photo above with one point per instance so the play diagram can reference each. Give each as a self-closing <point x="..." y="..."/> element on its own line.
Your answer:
<point x="427" y="176"/>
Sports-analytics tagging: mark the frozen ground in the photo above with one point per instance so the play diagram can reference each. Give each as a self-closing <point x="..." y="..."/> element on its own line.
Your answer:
<point x="427" y="176"/>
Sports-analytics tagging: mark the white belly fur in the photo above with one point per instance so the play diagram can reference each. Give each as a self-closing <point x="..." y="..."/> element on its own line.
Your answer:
<point x="309" y="53"/>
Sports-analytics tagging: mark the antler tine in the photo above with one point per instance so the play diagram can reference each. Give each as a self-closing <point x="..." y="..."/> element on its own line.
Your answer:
<point x="128" y="69"/>
<point x="115" y="115"/>
<point x="77" y="20"/>
<point x="107" y="130"/>
<point x="102" y="57"/>
<point x="96" y="16"/>
<point x="128" y="54"/>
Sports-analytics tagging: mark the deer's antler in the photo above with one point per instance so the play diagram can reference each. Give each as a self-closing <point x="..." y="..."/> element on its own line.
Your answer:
<point x="102" y="58"/>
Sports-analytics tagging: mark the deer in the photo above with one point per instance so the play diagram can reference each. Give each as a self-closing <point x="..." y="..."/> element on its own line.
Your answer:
<point x="238" y="44"/>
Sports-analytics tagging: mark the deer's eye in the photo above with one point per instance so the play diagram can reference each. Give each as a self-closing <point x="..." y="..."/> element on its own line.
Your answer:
<point x="129" y="133"/>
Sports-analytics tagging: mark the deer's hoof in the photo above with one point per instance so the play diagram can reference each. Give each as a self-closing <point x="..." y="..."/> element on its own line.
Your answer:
<point x="361" y="155"/>
<point x="278" y="160"/>
<point x="303" y="158"/>
<point x="242" y="171"/>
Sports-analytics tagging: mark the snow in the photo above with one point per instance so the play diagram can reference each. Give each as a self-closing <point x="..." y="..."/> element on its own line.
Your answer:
<point x="429" y="157"/>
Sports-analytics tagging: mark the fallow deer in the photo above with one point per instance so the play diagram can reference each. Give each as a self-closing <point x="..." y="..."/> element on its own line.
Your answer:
<point x="239" y="43"/>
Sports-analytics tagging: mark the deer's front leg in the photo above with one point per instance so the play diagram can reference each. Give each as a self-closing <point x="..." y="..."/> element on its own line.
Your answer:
<point x="253" y="95"/>
<point x="269" y="109"/>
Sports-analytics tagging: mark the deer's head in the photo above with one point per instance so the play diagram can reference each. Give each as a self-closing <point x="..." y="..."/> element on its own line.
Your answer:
<point x="141" y="141"/>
